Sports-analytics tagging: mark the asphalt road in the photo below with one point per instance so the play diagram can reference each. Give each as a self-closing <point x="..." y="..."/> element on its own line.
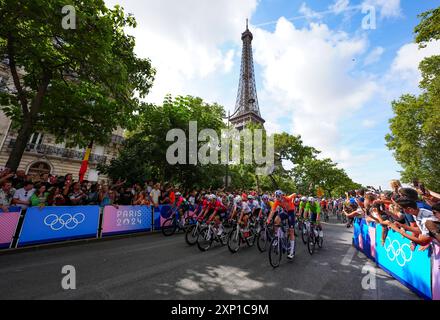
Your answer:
<point x="155" y="267"/>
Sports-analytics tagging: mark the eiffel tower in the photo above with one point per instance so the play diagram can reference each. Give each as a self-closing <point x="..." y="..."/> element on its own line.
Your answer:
<point x="247" y="109"/>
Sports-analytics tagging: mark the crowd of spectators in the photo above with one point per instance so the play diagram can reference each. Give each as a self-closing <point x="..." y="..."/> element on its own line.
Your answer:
<point x="21" y="190"/>
<point x="414" y="211"/>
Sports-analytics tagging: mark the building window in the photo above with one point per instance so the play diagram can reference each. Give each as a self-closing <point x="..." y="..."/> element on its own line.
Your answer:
<point x="35" y="140"/>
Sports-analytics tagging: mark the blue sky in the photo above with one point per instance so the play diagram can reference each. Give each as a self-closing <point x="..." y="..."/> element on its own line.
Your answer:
<point x="319" y="73"/>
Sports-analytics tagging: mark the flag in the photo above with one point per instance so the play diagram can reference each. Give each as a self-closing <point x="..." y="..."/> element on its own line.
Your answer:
<point x="85" y="162"/>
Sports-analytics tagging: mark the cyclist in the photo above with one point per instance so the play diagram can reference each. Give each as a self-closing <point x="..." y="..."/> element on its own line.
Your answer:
<point x="312" y="210"/>
<point x="254" y="204"/>
<point x="182" y="206"/>
<point x="301" y="207"/>
<point x="205" y="206"/>
<point x="266" y="205"/>
<point x="287" y="204"/>
<point x="323" y="206"/>
<point x="219" y="211"/>
<point x="236" y="207"/>
<point x="246" y="211"/>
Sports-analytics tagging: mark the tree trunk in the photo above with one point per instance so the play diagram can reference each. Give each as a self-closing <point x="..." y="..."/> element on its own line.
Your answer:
<point x="274" y="182"/>
<point x="20" y="145"/>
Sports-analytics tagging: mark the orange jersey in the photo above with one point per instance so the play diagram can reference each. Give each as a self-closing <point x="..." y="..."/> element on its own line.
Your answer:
<point x="286" y="202"/>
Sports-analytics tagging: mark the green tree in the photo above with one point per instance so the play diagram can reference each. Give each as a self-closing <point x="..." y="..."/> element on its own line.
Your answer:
<point x="415" y="139"/>
<point x="144" y="154"/>
<point x="415" y="127"/>
<point x="79" y="84"/>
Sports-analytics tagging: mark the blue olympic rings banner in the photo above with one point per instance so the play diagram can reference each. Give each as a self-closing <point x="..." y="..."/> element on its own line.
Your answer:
<point x="49" y="224"/>
<point x="412" y="267"/>
<point x="364" y="237"/>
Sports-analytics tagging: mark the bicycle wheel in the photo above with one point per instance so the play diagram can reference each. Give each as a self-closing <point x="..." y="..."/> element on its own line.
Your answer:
<point x="311" y="242"/>
<point x="250" y="241"/>
<point x="275" y="252"/>
<point x="320" y="242"/>
<point x="169" y="227"/>
<point x="191" y="235"/>
<point x="234" y="240"/>
<point x="304" y="234"/>
<point x="263" y="238"/>
<point x="205" y="239"/>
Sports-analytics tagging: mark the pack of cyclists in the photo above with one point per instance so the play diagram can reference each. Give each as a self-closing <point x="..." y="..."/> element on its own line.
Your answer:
<point x="252" y="212"/>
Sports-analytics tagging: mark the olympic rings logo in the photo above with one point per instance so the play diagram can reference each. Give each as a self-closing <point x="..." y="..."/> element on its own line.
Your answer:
<point x="64" y="221"/>
<point x="395" y="251"/>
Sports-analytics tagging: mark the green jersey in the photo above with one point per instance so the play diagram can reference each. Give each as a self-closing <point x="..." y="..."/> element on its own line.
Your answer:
<point x="314" y="208"/>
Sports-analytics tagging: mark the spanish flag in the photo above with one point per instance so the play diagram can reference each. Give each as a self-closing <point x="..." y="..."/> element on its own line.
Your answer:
<point x="85" y="162"/>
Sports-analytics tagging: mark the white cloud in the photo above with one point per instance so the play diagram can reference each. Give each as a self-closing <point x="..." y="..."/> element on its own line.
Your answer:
<point x="308" y="12"/>
<point x="184" y="40"/>
<point x="408" y="58"/>
<point x="374" y="56"/>
<point x="387" y="8"/>
<point x="340" y="6"/>
<point x="404" y="75"/>
<point x="307" y="75"/>
<point x="368" y="123"/>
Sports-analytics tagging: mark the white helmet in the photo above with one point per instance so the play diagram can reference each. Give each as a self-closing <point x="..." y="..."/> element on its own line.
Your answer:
<point x="212" y="197"/>
<point x="279" y="193"/>
<point x="304" y="199"/>
<point x="311" y="199"/>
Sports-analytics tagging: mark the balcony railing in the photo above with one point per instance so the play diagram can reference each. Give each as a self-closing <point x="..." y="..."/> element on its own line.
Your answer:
<point x="48" y="150"/>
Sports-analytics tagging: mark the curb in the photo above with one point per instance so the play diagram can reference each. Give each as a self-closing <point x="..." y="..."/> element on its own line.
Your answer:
<point x="75" y="242"/>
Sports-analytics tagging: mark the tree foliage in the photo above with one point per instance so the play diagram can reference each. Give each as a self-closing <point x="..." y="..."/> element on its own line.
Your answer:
<point x="78" y="84"/>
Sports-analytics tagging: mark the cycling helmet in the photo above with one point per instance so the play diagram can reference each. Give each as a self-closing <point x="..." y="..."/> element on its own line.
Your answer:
<point x="265" y="197"/>
<point x="279" y="193"/>
<point x="311" y="199"/>
<point x="237" y="199"/>
<point x="178" y="194"/>
<point x="213" y="197"/>
<point x="304" y="199"/>
<point x="251" y="197"/>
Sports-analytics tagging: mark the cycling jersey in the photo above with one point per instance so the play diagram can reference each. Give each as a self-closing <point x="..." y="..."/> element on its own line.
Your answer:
<point x="245" y="207"/>
<point x="315" y="208"/>
<point x="286" y="202"/>
<point x="254" y="204"/>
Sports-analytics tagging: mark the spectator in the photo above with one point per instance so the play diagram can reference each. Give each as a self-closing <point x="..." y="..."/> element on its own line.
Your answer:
<point x="6" y="175"/>
<point x="22" y="196"/>
<point x="149" y="187"/>
<point x="420" y="233"/>
<point x="55" y="197"/>
<point x="93" y="195"/>
<point x="434" y="226"/>
<point x="77" y="197"/>
<point x="126" y="196"/>
<point x="6" y="195"/>
<point x="19" y="180"/>
<point x="39" y="197"/>
<point x="106" y="196"/>
<point x="155" y="194"/>
<point x="142" y="199"/>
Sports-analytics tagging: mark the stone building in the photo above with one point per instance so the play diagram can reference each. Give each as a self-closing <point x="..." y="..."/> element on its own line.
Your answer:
<point x="43" y="155"/>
